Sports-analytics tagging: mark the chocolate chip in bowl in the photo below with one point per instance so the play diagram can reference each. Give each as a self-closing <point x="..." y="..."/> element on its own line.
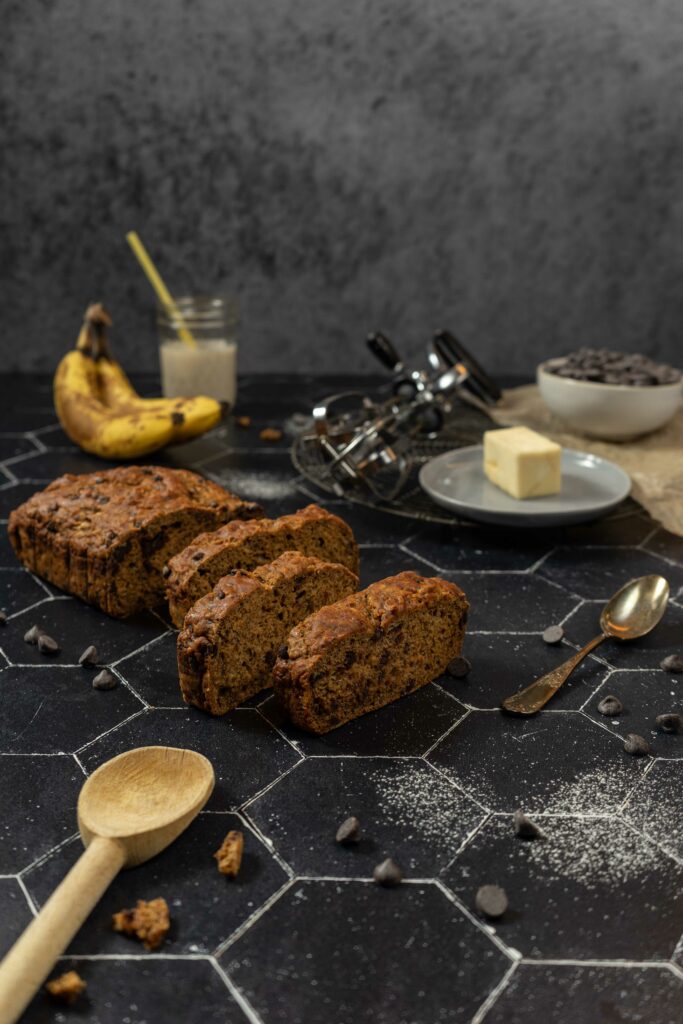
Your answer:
<point x="612" y="395"/>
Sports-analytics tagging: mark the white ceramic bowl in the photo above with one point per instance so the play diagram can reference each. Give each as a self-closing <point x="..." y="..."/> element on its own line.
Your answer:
<point x="613" y="412"/>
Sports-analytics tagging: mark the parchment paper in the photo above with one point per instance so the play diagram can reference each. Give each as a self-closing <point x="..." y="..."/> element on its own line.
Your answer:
<point x="654" y="462"/>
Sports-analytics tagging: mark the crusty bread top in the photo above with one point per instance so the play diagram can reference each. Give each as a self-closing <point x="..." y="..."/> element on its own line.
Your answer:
<point x="101" y="508"/>
<point x="377" y="607"/>
<point x="184" y="565"/>
<point x="231" y="589"/>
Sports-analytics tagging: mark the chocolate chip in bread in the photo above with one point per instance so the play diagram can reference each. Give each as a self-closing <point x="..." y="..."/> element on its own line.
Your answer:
<point x="369" y="649"/>
<point x="106" y="536"/>
<point x="210" y="556"/>
<point x="231" y="636"/>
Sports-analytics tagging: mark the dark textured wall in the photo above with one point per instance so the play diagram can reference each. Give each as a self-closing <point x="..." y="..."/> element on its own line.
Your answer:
<point x="511" y="168"/>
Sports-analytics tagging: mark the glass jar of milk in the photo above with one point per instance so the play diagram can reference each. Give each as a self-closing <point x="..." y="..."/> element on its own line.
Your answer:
<point x="209" y="367"/>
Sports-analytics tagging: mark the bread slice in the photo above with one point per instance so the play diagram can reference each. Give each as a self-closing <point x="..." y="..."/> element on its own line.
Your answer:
<point x="312" y="530"/>
<point x="106" y="536"/>
<point x="369" y="649"/>
<point x="230" y="640"/>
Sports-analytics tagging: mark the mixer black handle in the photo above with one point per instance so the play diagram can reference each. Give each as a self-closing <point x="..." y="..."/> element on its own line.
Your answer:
<point x="451" y="351"/>
<point x="383" y="350"/>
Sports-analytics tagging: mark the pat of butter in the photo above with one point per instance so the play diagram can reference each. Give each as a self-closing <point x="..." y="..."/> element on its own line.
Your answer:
<point x="522" y="463"/>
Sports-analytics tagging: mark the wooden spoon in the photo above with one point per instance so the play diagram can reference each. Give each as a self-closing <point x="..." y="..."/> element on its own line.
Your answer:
<point x="129" y="810"/>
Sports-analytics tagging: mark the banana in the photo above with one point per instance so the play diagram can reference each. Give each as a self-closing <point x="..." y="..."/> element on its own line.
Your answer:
<point x="100" y="410"/>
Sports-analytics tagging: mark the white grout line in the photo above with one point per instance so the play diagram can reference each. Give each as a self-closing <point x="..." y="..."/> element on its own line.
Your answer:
<point x="236" y="993"/>
<point x="274" y="782"/>
<point x="492" y="997"/>
<point x="114" y="728"/>
<point x="45" y="856"/>
<point x="481" y="926"/>
<point x="258" y="913"/>
<point x="29" y="899"/>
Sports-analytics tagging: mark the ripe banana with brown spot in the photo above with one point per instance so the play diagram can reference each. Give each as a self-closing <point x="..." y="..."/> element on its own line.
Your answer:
<point x="100" y="410"/>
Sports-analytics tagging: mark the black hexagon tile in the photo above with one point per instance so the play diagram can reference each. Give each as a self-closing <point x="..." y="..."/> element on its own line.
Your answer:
<point x="13" y="495"/>
<point x="504" y="663"/>
<point x="8" y="560"/>
<point x="348" y="951"/>
<point x="246" y="752"/>
<point x="666" y="544"/>
<point x="409" y="726"/>
<point x="15" y="913"/>
<point x="644" y="696"/>
<point x="655" y="805"/>
<point x="646" y="652"/>
<point x="407" y="811"/>
<point x="623" y="529"/>
<point x="206" y="907"/>
<point x="597" y="994"/>
<point x="141" y="992"/>
<point x="598" y="572"/>
<point x="52" y="437"/>
<point x="369" y="526"/>
<point x="37" y="806"/>
<point x="75" y="626"/>
<point x="43" y="467"/>
<point x="473" y="548"/>
<point x="578" y="893"/>
<point x="270" y="479"/>
<point x="153" y="672"/>
<point x="18" y="590"/>
<point x="51" y="709"/>
<point x="13" y="445"/>
<point x="512" y="603"/>
<point x="555" y="761"/>
<point x="378" y="562"/>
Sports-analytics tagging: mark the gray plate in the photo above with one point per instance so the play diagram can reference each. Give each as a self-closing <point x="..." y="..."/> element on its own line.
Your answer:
<point x="590" y="487"/>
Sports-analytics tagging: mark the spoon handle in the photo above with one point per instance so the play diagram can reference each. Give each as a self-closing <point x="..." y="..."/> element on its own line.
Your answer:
<point x="533" y="697"/>
<point x="33" y="955"/>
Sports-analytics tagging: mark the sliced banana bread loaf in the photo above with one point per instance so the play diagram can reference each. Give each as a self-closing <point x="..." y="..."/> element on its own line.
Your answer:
<point x="228" y="645"/>
<point x="106" y="536"/>
<point x="312" y="530"/>
<point x="369" y="649"/>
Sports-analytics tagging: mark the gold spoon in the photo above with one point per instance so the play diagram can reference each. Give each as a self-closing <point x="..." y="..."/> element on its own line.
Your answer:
<point x="129" y="810"/>
<point x="632" y="612"/>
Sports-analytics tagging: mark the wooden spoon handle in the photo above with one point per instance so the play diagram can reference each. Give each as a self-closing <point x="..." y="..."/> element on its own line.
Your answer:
<point x="531" y="699"/>
<point x="33" y="955"/>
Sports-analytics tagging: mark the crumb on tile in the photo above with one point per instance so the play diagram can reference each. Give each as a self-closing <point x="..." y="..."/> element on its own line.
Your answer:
<point x="67" y="987"/>
<point x="229" y="856"/>
<point x="149" y="921"/>
<point x="271" y="434"/>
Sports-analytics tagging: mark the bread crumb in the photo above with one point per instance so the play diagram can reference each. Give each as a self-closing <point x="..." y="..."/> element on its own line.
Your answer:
<point x="271" y="434"/>
<point x="243" y="421"/>
<point x="229" y="856"/>
<point x="149" y="921"/>
<point x="67" y="987"/>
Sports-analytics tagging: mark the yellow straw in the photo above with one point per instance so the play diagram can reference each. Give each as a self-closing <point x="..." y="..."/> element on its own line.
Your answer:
<point x="165" y="297"/>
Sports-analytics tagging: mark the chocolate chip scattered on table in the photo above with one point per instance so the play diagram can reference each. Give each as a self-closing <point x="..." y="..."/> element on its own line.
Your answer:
<point x="670" y="722"/>
<point x="47" y="645"/>
<point x="388" y="873"/>
<point x="610" y="706"/>
<point x="104" y="680"/>
<point x="553" y="634"/>
<point x="636" y="745"/>
<point x="348" y="831"/>
<point x="672" y="663"/>
<point x="88" y="658"/>
<point x="491" y="901"/>
<point x="524" y="827"/>
<point x="458" y="668"/>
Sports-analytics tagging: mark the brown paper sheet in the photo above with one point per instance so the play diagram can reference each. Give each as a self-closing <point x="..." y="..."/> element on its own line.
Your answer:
<point x="654" y="462"/>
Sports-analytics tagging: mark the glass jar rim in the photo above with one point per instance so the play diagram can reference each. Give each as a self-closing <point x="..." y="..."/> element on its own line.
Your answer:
<point x="200" y="309"/>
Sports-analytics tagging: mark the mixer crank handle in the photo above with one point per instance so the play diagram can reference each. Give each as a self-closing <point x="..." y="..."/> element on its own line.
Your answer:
<point x="383" y="350"/>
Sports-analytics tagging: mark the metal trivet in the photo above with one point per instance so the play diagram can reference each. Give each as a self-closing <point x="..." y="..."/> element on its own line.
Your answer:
<point x="369" y="448"/>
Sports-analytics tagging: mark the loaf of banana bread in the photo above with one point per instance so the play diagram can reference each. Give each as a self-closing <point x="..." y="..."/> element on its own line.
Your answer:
<point x="369" y="649"/>
<point x="231" y="636"/>
<point x="312" y="530"/>
<point x="106" y="536"/>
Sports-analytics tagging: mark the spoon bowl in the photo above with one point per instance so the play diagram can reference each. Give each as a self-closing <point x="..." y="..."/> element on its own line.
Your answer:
<point x="635" y="609"/>
<point x="129" y="810"/>
<point x="144" y="798"/>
